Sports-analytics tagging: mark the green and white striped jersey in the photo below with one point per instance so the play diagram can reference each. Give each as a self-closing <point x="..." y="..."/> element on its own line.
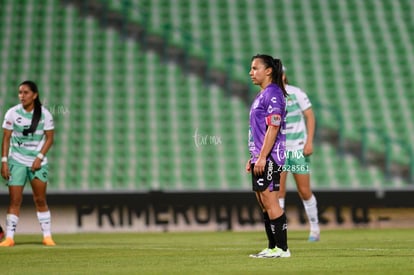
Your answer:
<point x="24" y="149"/>
<point x="296" y="103"/>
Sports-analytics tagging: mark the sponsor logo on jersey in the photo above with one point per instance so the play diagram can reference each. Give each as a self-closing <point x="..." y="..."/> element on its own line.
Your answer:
<point x="270" y="109"/>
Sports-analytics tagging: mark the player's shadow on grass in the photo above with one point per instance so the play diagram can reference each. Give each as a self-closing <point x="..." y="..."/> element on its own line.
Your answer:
<point x="30" y="243"/>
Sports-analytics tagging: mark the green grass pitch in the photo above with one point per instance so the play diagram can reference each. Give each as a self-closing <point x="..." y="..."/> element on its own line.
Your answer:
<point x="358" y="251"/>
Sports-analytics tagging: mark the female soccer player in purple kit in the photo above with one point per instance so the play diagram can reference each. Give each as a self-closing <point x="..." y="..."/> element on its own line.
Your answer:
<point x="267" y="149"/>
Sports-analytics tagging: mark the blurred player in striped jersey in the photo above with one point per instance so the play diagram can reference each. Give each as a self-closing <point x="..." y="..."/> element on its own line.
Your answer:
<point x="300" y="128"/>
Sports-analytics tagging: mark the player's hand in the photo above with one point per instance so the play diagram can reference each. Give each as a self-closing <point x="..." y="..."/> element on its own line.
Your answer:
<point x="37" y="164"/>
<point x="248" y="166"/>
<point x="5" y="173"/>
<point x="308" y="149"/>
<point x="259" y="166"/>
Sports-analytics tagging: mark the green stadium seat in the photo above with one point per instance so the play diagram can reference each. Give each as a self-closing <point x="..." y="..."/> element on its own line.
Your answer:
<point x="118" y="94"/>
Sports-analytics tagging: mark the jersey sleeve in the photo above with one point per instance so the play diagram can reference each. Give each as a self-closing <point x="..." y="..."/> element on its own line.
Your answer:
<point x="275" y="106"/>
<point x="303" y="100"/>
<point x="8" y="120"/>
<point x="49" y="124"/>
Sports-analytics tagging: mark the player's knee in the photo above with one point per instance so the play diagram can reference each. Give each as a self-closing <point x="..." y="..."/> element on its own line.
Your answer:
<point x="40" y="201"/>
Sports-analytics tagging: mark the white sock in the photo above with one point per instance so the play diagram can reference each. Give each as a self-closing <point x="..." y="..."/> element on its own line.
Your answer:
<point x="311" y="210"/>
<point x="282" y="203"/>
<point x="11" y="224"/>
<point x="45" y="223"/>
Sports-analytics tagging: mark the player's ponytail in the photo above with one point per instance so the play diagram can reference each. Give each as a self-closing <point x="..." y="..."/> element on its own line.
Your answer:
<point x="37" y="112"/>
<point x="277" y="75"/>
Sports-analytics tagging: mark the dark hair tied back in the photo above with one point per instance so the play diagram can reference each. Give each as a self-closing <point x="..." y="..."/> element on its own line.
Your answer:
<point x="278" y="75"/>
<point x="37" y="112"/>
<point x="277" y="69"/>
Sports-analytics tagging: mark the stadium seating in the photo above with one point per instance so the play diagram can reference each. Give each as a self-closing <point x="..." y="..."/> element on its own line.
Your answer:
<point x="125" y="119"/>
<point x="344" y="53"/>
<point x="128" y="120"/>
<point x="339" y="59"/>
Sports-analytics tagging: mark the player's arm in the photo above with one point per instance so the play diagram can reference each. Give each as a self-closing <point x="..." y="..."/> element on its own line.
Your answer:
<point x="49" y="136"/>
<point x="310" y="129"/>
<point x="273" y="124"/>
<point x="269" y="141"/>
<point x="49" y="133"/>
<point x="306" y="107"/>
<point x="5" y="145"/>
<point x="248" y="166"/>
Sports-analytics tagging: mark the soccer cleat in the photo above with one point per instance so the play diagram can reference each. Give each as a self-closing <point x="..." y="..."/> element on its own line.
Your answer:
<point x="277" y="253"/>
<point x="261" y="253"/>
<point x="7" y="242"/>
<point x="272" y="253"/>
<point x="314" y="236"/>
<point x="48" y="241"/>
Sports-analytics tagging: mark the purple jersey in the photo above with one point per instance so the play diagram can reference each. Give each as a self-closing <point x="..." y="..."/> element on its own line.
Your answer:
<point x="269" y="108"/>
